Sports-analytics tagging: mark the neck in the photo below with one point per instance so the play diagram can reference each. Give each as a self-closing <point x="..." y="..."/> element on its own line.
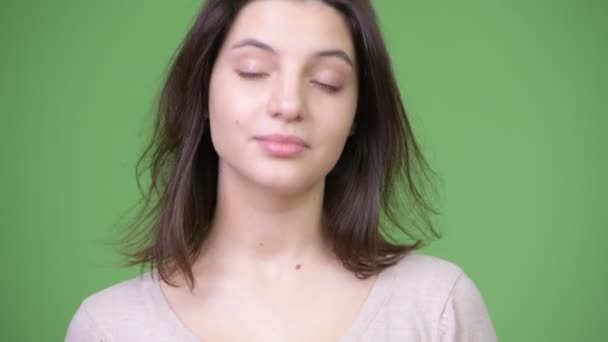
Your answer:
<point x="254" y="228"/>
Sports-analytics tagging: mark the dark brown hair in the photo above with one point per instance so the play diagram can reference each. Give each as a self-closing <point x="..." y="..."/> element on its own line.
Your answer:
<point x="377" y="186"/>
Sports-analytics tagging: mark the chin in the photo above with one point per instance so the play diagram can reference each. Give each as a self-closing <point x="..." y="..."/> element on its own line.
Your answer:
<point x="285" y="185"/>
<point x="285" y="178"/>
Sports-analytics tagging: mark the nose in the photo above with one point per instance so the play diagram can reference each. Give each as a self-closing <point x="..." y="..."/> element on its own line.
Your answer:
<point x="286" y="99"/>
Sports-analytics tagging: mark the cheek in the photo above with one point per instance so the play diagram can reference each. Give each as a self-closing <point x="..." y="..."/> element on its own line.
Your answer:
<point x="224" y="115"/>
<point x="334" y="117"/>
<point x="232" y="122"/>
<point x="224" y="89"/>
<point x="220" y="106"/>
<point x="333" y="132"/>
<point x="333" y="142"/>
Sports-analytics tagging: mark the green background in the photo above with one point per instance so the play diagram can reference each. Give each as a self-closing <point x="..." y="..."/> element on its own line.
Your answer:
<point x="508" y="100"/>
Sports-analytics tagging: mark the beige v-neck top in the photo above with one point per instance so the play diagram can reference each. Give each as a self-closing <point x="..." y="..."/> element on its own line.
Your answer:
<point x="421" y="298"/>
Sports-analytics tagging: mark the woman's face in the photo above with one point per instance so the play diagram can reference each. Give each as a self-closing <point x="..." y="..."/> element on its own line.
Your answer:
<point x="283" y="94"/>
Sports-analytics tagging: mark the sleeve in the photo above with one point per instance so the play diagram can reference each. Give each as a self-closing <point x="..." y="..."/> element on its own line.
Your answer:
<point x="82" y="328"/>
<point x="465" y="317"/>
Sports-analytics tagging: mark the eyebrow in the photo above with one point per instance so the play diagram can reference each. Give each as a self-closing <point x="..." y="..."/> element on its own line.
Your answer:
<point x="338" y="53"/>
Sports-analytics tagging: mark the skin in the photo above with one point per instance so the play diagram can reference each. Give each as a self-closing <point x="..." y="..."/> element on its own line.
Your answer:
<point x="265" y="268"/>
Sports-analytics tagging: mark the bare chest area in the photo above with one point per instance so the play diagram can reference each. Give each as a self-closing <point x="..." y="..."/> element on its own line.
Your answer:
<point x="321" y="311"/>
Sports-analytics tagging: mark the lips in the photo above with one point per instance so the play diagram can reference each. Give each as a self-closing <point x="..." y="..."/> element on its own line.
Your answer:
<point x="282" y="145"/>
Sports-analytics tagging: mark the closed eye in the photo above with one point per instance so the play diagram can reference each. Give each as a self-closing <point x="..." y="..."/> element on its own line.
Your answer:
<point x="251" y="75"/>
<point x="259" y="75"/>
<point x="327" y="87"/>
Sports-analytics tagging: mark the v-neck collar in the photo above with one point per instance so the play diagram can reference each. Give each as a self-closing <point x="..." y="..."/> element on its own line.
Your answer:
<point x="377" y="297"/>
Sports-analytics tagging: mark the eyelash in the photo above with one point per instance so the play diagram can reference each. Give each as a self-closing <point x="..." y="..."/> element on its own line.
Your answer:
<point x="327" y="87"/>
<point x="251" y="75"/>
<point x="256" y="75"/>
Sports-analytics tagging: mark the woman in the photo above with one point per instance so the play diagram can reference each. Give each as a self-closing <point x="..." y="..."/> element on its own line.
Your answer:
<point x="279" y="146"/>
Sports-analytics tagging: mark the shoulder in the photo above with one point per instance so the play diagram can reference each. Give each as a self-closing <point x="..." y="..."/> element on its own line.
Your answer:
<point x="121" y="298"/>
<point x="424" y="273"/>
<point x="419" y="285"/>
<point x="430" y="281"/>
<point x="100" y="315"/>
<point x="441" y="295"/>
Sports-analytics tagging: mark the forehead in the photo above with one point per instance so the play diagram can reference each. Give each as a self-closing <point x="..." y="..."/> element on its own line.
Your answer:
<point x="292" y="26"/>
